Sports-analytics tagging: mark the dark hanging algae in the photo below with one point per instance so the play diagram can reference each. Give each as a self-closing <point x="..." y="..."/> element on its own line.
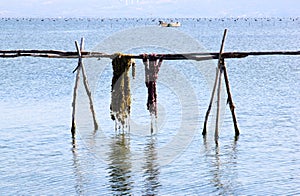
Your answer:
<point x="152" y="65"/>
<point x="120" y="89"/>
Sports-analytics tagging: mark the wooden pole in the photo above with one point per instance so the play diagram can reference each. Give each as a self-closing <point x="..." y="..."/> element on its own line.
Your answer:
<point x="210" y="102"/>
<point x="220" y="62"/>
<point x="85" y="82"/>
<point x="218" y="106"/>
<point x="73" y="128"/>
<point x="230" y="102"/>
<point x="182" y="56"/>
<point x="217" y="80"/>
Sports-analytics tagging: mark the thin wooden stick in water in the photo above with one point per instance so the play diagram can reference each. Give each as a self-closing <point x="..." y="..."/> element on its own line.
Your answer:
<point x="230" y="102"/>
<point x="217" y="81"/>
<point x="85" y="82"/>
<point x="220" y="62"/>
<point x="210" y="102"/>
<point x="218" y="106"/>
<point x="73" y="128"/>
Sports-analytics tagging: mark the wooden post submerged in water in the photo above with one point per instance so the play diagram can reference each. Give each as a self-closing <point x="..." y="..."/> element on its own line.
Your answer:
<point x="80" y="67"/>
<point x="218" y="81"/>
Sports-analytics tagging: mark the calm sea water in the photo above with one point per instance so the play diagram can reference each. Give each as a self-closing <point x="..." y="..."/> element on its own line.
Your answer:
<point x="37" y="154"/>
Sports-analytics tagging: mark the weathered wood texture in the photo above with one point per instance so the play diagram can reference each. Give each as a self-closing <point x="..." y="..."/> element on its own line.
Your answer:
<point x="184" y="56"/>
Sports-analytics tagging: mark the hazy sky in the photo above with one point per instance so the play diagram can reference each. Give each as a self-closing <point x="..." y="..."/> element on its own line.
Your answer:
<point x="149" y="8"/>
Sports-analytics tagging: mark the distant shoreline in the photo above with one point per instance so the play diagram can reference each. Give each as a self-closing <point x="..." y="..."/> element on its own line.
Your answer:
<point x="148" y="18"/>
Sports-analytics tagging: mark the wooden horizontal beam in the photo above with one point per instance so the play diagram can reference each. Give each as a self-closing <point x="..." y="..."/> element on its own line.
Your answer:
<point x="185" y="56"/>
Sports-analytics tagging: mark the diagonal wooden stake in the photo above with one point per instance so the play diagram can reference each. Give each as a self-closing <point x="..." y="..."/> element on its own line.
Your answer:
<point x="220" y="63"/>
<point x="210" y="102"/>
<point x="218" y="105"/>
<point x="85" y="82"/>
<point x="78" y="69"/>
<point x="217" y="81"/>
<point x="230" y="102"/>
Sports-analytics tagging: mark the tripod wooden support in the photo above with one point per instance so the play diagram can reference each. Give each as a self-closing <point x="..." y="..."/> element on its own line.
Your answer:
<point x="221" y="69"/>
<point x="80" y="68"/>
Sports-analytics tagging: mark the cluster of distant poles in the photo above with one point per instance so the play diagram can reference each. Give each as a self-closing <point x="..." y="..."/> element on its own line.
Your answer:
<point x="129" y="1"/>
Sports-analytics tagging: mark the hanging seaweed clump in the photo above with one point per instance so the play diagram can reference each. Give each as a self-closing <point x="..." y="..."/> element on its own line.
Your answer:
<point x="120" y="89"/>
<point x="152" y="64"/>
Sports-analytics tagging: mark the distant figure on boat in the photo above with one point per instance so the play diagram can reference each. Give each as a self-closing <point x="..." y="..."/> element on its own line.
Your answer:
<point x="171" y="24"/>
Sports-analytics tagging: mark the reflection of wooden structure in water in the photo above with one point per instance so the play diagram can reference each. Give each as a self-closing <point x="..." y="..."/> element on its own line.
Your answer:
<point x="221" y="69"/>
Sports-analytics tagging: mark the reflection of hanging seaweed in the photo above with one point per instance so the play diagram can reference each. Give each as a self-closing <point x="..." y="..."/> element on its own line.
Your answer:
<point x="151" y="168"/>
<point x="119" y="166"/>
<point x="120" y="89"/>
<point x="152" y="66"/>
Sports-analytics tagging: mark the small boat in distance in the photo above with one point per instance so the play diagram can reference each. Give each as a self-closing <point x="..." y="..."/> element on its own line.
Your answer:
<point x="171" y="24"/>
